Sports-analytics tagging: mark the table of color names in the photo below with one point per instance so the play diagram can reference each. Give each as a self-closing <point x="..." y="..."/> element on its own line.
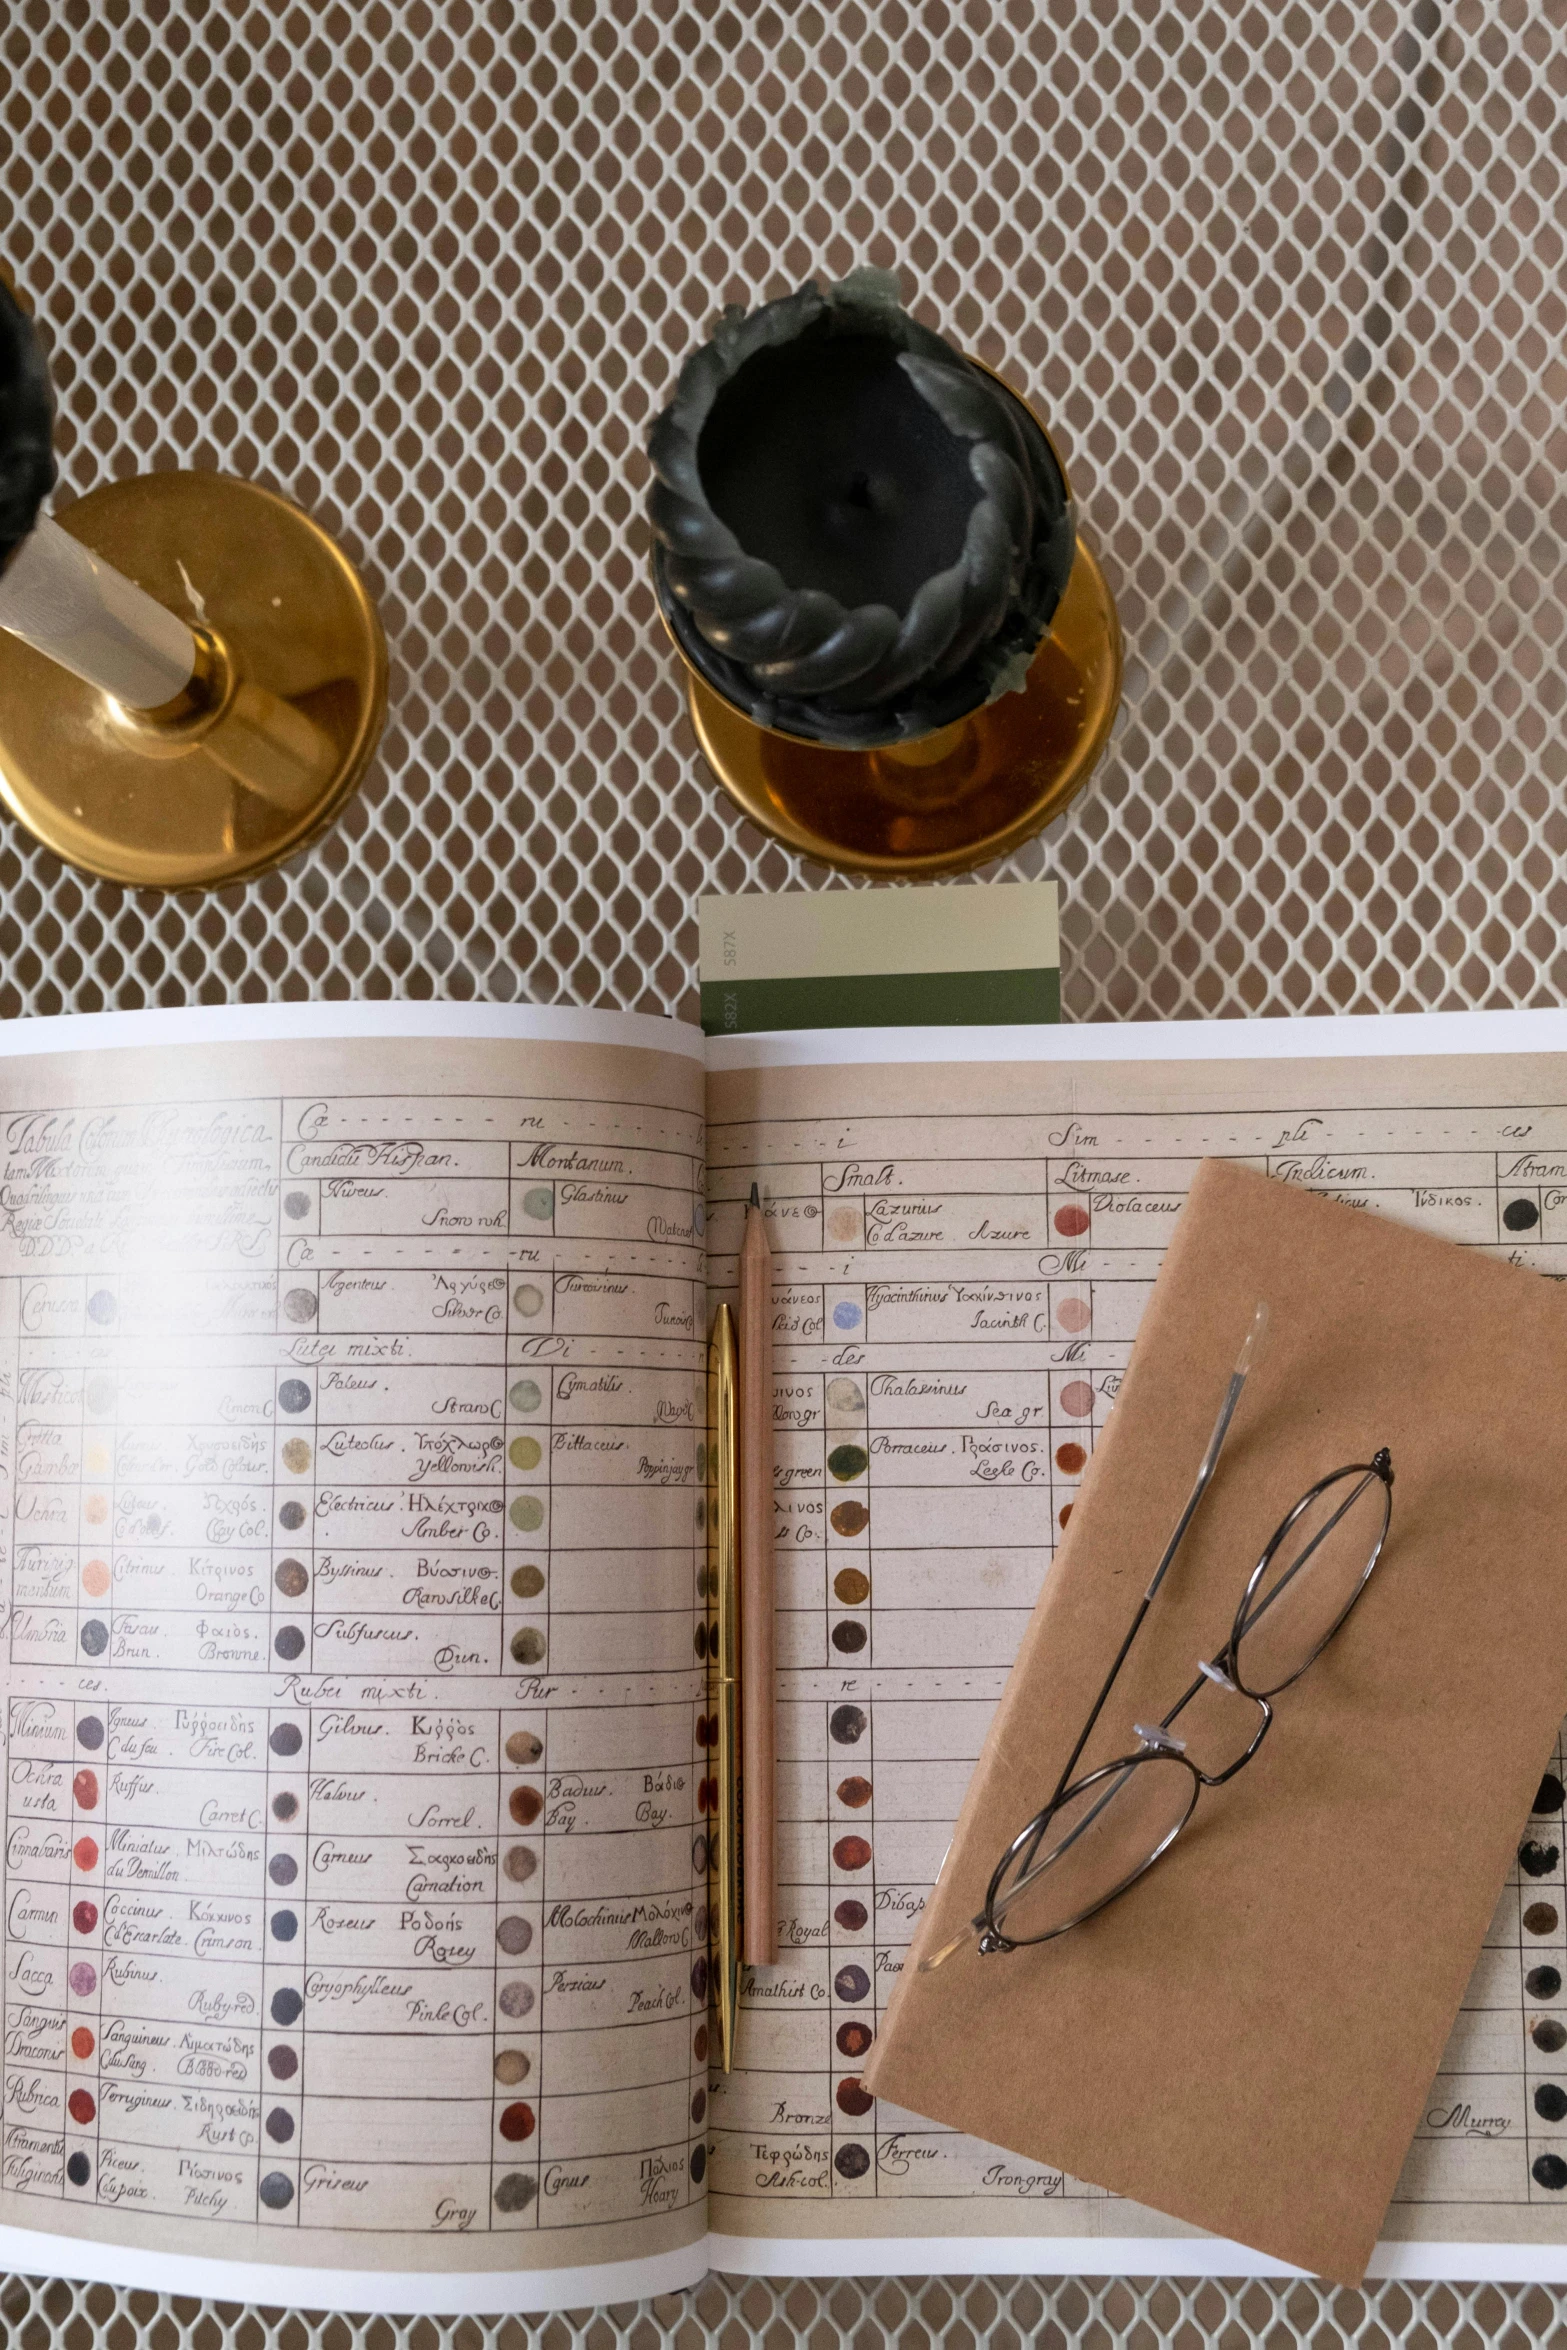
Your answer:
<point x="955" y="1302"/>
<point x="353" y="1876"/>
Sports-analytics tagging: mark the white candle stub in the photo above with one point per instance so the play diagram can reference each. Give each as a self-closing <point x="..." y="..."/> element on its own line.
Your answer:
<point x="64" y="601"/>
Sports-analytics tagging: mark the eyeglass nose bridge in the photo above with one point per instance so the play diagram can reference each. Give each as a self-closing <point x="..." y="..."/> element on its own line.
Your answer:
<point x="1218" y="1673"/>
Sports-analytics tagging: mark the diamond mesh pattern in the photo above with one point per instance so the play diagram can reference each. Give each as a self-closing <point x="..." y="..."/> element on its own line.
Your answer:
<point x="1287" y="282"/>
<point x="935" y="2313"/>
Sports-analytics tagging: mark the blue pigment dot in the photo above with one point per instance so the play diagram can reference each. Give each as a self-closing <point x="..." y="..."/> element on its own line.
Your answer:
<point x="284" y="1926"/>
<point x="282" y="1868"/>
<point x="291" y="1516"/>
<point x="89" y="1733"/>
<point x="846" y="1315"/>
<point x="286" y="1738"/>
<point x="294" y="1395"/>
<point x="851" y="1982"/>
<point x="94" y="1637"/>
<point x="276" y="2190"/>
<point x="290" y="1643"/>
<point x="287" y="2007"/>
<point x="100" y="1306"/>
<point x="78" y="2170"/>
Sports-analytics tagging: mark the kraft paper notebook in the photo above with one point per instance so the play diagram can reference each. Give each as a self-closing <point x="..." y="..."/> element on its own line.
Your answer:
<point x="1248" y="2036"/>
<point x="355" y="1619"/>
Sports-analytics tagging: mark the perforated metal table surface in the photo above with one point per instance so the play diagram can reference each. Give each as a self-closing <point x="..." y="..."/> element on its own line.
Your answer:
<point x="1288" y="283"/>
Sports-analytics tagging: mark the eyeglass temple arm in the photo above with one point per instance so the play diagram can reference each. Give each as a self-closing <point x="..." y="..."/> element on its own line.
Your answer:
<point x="1210" y="1461"/>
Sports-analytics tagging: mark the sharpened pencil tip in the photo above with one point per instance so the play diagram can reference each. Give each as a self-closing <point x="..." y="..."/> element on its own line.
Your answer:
<point x="756" y="1197"/>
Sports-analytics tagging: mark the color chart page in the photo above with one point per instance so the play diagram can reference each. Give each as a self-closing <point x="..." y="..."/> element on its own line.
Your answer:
<point x="354" y="1906"/>
<point x="962" y="1252"/>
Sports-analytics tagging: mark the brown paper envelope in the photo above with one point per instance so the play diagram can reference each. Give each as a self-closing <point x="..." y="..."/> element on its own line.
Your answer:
<point x="1244" y="2040"/>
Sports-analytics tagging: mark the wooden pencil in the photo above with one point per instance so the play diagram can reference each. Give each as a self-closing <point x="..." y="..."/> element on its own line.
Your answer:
<point x="759" y="1943"/>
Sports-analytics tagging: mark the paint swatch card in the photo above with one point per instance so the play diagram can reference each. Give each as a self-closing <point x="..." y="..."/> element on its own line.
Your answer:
<point x="980" y="956"/>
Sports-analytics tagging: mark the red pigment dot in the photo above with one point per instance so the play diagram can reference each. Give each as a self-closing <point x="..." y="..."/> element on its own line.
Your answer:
<point x="853" y="2099"/>
<point x="851" y="1852"/>
<point x="1077" y="1399"/>
<point x="85" y="1916"/>
<point x="80" y="2105"/>
<point x="1071" y="1223"/>
<point x="84" y="1788"/>
<point x="82" y="2042"/>
<point x="85" y="1853"/>
<point x="516" y="2122"/>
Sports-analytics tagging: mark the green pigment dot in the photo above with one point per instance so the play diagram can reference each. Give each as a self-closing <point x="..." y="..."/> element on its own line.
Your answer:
<point x="527" y="1646"/>
<point x="526" y="1452"/>
<point x="540" y="1202"/>
<point x="848" y="1460"/>
<point x="525" y="1396"/>
<point x="527" y="1299"/>
<point x="527" y="1513"/>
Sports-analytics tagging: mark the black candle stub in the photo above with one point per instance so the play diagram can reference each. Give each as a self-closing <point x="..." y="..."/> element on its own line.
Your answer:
<point x="26" y="426"/>
<point x="861" y="536"/>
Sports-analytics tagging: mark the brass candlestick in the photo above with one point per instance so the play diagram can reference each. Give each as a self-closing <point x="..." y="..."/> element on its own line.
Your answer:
<point x="902" y="657"/>
<point x="192" y="673"/>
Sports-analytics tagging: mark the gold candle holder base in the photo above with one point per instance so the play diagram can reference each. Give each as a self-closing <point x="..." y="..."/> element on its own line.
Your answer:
<point x="942" y="802"/>
<point x="265" y="744"/>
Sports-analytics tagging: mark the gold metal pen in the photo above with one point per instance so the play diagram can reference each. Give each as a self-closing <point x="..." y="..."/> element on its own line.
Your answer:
<point x="724" y="1582"/>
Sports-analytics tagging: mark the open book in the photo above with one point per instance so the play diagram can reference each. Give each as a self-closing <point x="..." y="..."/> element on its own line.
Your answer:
<point x="355" y="1853"/>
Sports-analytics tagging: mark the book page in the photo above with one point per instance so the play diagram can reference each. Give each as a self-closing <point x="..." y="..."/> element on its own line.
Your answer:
<point x="963" y="1249"/>
<point x="354" y="1907"/>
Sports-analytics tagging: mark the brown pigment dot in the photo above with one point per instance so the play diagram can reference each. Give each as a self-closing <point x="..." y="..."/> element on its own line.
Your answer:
<point x="525" y="1805"/>
<point x="851" y="1586"/>
<point x="850" y="1517"/>
<point x="1540" y="1918"/>
<point x="854" y="1792"/>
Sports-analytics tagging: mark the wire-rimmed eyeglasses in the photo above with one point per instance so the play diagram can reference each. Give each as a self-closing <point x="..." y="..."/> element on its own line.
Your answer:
<point x="1097" y="1835"/>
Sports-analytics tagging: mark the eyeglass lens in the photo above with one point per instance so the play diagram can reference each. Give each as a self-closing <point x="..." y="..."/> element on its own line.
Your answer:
<point x="1310" y="1580"/>
<point x="1094" y="1843"/>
